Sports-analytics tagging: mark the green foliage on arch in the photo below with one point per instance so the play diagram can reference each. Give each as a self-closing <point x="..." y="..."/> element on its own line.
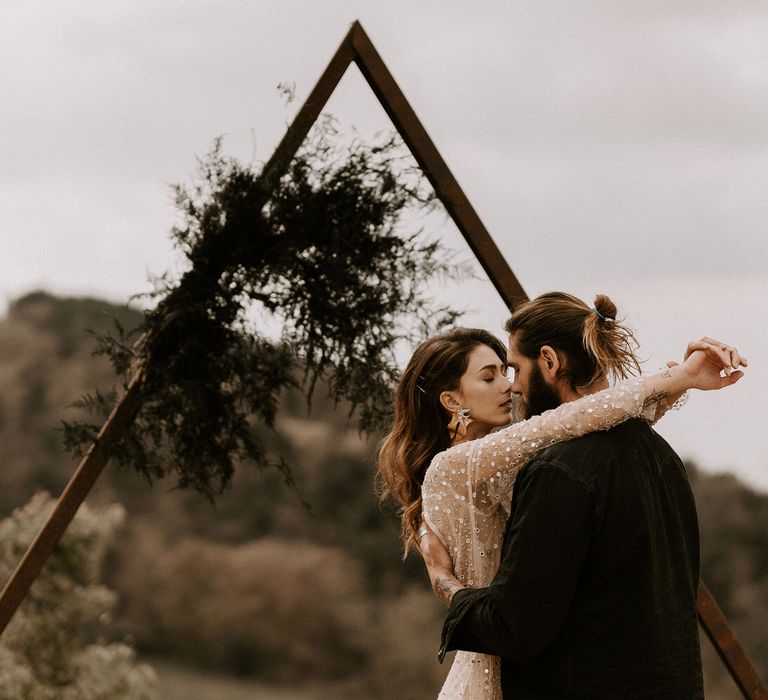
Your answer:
<point x="327" y="255"/>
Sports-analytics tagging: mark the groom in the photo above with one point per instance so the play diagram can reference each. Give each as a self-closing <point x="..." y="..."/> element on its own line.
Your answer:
<point x="595" y="596"/>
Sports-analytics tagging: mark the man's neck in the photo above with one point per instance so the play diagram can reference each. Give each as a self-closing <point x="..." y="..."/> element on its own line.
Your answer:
<point x="569" y="393"/>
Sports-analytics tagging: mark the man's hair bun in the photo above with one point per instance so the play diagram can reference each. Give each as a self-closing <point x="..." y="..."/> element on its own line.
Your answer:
<point x="605" y="307"/>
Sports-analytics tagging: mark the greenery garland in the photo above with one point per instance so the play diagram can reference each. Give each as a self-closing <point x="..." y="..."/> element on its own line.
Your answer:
<point x="327" y="256"/>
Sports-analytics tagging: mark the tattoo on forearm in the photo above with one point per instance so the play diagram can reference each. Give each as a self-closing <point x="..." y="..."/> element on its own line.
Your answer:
<point x="667" y="374"/>
<point x="446" y="587"/>
<point x="655" y="397"/>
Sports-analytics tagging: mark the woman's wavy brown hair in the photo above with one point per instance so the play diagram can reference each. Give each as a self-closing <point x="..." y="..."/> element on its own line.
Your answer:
<point x="592" y="341"/>
<point x="419" y="429"/>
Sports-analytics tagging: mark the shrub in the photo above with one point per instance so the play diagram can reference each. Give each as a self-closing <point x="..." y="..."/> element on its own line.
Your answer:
<point x="264" y="608"/>
<point x="53" y="649"/>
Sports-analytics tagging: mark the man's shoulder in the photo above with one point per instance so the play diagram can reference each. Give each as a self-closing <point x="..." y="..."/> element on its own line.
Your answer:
<point x="584" y="456"/>
<point x="633" y="429"/>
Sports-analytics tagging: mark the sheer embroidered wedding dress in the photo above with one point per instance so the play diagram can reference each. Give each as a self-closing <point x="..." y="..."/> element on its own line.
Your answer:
<point x="467" y="491"/>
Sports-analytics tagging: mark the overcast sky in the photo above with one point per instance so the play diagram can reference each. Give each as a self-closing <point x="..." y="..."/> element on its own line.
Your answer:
<point x="619" y="148"/>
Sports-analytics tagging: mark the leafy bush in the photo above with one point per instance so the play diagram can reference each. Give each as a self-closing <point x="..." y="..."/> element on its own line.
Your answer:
<point x="52" y="649"/>
<point x="266" y="608"/>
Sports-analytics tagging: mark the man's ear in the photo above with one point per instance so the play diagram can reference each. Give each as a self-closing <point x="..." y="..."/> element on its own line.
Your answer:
<point x="450" y="401"/>
<point x="549" y="363"/>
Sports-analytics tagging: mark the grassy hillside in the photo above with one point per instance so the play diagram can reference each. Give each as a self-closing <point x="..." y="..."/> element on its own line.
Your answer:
<point x="257" y="585"/>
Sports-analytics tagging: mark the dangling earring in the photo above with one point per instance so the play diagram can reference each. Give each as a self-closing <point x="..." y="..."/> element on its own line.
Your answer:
<point x="460" y="421"/>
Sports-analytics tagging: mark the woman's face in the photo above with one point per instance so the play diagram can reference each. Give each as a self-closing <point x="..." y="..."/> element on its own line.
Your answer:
<point x="486" y="391"/>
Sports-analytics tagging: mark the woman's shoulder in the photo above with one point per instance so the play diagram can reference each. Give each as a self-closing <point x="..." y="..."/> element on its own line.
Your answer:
<point x="450" y="462"/>
<point x="460" y="452"/>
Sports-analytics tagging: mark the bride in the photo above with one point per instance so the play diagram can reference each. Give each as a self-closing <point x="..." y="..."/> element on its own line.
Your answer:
<point x="453" y="476"/>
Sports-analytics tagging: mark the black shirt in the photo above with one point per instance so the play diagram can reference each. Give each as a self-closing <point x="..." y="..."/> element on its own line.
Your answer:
<point x="595" y="596"/>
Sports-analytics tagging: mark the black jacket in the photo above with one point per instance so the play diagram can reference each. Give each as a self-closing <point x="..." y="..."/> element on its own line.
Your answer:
<point x="596" y="593"/>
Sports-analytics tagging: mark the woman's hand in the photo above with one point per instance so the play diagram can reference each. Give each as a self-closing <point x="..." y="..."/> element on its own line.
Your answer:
<point x="716" y="349"/>
<point x="704" y="361"/>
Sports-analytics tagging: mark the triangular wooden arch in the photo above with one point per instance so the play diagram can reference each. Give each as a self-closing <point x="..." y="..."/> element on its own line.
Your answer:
<point x="358" y="48"/>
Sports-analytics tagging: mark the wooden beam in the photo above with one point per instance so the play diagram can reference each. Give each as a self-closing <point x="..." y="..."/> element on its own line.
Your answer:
<point x="729" y="649"/>
<point x="79" y="486"/>
<point x="276" y="166"/>
<point x="435" y="169"/>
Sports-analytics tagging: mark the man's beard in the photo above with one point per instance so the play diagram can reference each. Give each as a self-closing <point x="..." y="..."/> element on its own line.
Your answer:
<point x="541" y="396"/>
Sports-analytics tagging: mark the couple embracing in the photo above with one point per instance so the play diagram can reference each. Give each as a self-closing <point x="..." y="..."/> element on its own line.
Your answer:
<point x="566" y="544"/>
